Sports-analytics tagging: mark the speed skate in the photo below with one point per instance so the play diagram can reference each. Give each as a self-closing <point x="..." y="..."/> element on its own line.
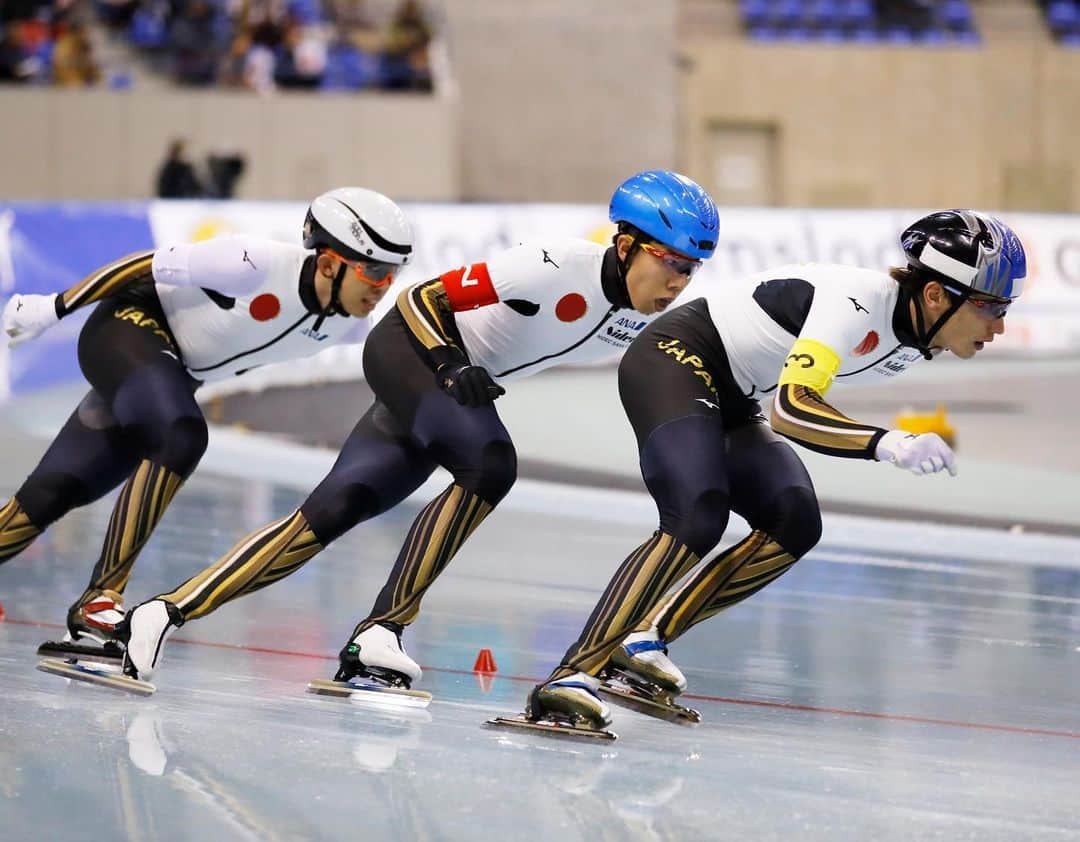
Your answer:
<point x="633" y="693"/>
<point x="99" y="674"/>
<point x="551" y="726"/>
<point x="370" y="693"/>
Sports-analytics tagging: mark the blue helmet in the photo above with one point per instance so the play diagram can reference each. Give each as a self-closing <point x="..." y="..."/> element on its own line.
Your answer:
<point x="671" y="209"/>
<point x="971" y="249"/>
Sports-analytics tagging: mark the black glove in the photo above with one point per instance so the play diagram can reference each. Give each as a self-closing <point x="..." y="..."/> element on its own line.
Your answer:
<point x="469" y="385"/>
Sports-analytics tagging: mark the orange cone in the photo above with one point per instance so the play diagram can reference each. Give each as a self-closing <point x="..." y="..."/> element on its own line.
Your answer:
<point x="485" y="662"/>
<point x="486" y="681"/>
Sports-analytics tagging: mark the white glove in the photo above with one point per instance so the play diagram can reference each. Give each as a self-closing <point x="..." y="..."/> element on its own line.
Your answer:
<point x="25" y="316"/>
<point x="923" y="454"/>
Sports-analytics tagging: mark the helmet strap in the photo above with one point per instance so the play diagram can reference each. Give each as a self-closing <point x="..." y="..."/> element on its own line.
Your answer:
<point x="333" y="306"/>
<point x="923" y="335"/>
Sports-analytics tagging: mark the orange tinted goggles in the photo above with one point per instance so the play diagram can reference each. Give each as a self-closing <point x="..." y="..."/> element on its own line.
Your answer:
<point x="673" y="260"/>
<point x="372" y="272"/>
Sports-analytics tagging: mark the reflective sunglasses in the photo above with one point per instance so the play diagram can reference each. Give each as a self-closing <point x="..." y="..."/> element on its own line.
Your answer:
<point x="372" y="272"/>
<point x="990" y="309"/>
<point x="673" y="261"/>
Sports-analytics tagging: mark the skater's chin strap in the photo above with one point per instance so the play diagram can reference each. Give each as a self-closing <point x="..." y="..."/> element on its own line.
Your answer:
<point x="333" y="306"/>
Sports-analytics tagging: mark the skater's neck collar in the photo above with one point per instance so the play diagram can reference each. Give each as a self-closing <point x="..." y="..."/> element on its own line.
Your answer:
<point x="901" y="321"/>
<point x="308" y="296"/>
<point x="613" y="281"/>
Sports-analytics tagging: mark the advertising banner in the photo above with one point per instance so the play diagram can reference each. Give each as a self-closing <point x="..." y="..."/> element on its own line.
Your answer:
<point x="49" y="247"/>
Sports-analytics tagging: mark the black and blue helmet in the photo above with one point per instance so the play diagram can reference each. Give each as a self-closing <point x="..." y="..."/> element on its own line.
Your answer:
<point x="672" y="209"/>
<point x="974" y="250"/>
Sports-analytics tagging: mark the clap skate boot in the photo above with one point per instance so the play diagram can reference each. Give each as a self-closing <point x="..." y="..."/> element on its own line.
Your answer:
<point x="374" y="668"/>
<point x="566" y="707"/>
<point x="92" y="634"/>
<point x="142" y="633"/>
<point x="642" y="677"/>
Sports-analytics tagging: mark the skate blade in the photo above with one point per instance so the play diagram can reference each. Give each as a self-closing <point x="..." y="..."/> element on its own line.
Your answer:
<point x="68" y="651"/>
<point x="78" y="672"/>
<point x="550" y="728"/>
<point x="632" y="699"/>
<point x="373" y="694"/>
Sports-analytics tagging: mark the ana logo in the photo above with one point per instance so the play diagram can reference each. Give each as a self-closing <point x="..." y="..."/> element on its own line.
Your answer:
<point x="318" y="337"/>
<point x="869" y="343"/>
<point x="264" y="307"/>
<point x="630" y="324"/>
<point x="571" y="307"/>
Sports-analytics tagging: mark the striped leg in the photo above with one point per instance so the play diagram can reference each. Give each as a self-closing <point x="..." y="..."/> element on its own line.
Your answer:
<point x="142" y="502"/>
<point x="260" y="559"/>
<point x="436" y="535"/>
<point x="731" y="577"/>
<point x="642" y="579"/>
<point x="16" y="530"/>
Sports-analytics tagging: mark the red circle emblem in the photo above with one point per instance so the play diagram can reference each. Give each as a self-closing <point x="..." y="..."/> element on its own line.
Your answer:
<point x="571" y="307"/>
<point x="265" y="307"/>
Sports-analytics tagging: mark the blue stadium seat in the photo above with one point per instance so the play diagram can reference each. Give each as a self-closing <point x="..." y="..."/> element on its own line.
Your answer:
<point x="1062" y="16"/>
<point x="957" y="14"/>
<point x="347" y="68"/>
<point x="765" y="34"/>
<point x="148" y="30"/>
<point x="824" y="13"/>
<point x="754" y="12"/>
<point x="857" y="13"/>
<point x="786" y="12"/>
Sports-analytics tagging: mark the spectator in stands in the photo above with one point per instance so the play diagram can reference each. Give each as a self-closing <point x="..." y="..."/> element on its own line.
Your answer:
<point x="117" y="14"/>
<point x="176" y="179"/>
<point x="193" y="39"/>
<point x="73" y="61"/>
<point x="302" y="59"/>
<point x="406" y="62"/>
<point x="13" y="63"/>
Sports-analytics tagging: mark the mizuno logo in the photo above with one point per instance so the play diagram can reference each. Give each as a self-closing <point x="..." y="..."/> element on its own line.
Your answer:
<point x="858" y="307"/>
<point x="170" y="354"/>
<point x="249" y="260"/>
<point x="18" y="306"/>
<point x="707" y="403"/>
<point x="547" y="259"/>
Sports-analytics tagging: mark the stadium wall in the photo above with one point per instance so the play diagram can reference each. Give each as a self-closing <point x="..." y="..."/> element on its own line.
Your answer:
<point x="885" y="126"/>
<point x="62" y="144"/>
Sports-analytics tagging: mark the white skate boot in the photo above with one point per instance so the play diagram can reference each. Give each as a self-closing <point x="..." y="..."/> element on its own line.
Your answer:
<point x="145" y="631"/>
<point x="642" y="677"/>
<point x="566" y="707"/>
<point x="374" y="664"/>
<point x="644" y="655"/>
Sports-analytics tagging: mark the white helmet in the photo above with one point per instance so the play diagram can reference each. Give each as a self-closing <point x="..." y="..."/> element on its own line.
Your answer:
<point x="359" y="225"/>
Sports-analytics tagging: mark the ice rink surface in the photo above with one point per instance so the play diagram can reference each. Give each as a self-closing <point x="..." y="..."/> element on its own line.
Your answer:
<point x="904" y="681"/>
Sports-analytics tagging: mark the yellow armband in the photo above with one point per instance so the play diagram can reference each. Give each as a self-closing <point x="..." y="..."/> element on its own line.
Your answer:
<point x="810" y="364"/>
